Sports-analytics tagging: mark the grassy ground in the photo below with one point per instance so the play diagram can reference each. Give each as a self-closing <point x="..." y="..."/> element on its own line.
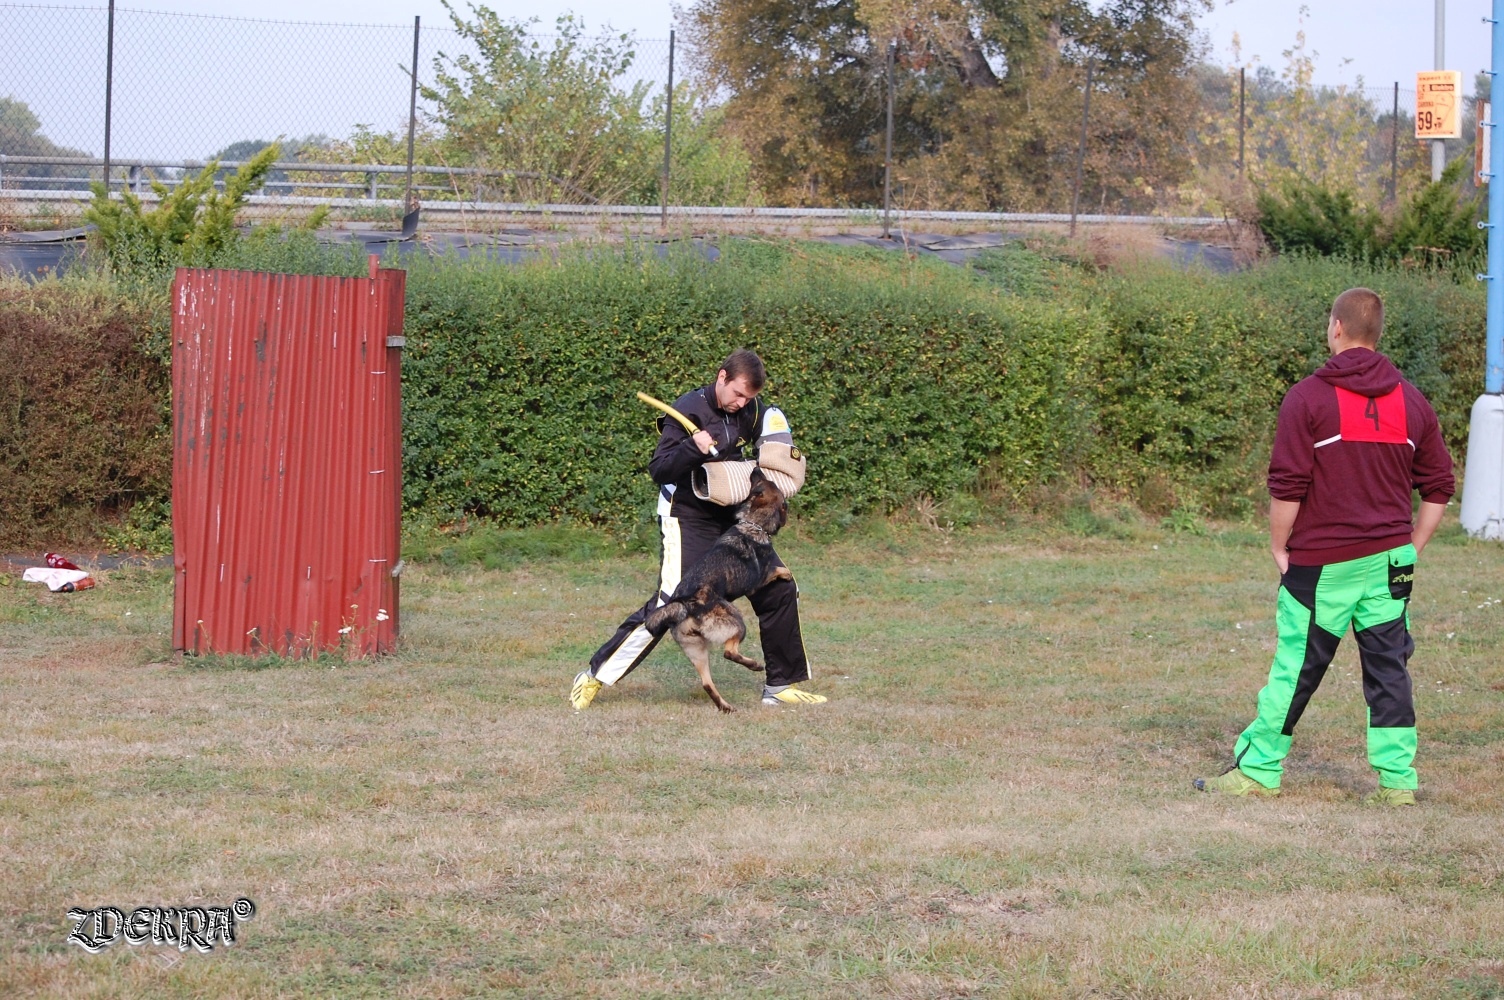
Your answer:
<point x="996" y="801"/>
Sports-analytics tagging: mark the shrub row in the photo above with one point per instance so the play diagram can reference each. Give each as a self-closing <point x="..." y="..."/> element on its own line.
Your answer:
<point x="518" y="383"/>
<point x="901" y="378"/>
<point x="83" y="410"/>
<point x="1195" y="366"/>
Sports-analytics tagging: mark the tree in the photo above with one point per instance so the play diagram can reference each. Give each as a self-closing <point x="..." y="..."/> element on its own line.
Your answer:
<point x="559" y="119"/>
<point x="21" y="135"/>
<point x="988" y="96"/>
<point x="806" y="98"/>
<point x="551" y="115"/>
<point x="1298" y="132"/>
<point x="245" y="150"/>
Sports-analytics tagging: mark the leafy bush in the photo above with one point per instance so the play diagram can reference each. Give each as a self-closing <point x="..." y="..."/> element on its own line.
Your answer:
<point x="905" y="380"/>
<point x="1439" y="224"/>
<point x="1194" y="368"/>
<point x="1192" y="373"/>
<point x="567" y="122"/>
<point x="83" y="426"/>
<point x="192" y="224"/>
<point x="1303" y="216"/>
<point x="1436" y="226"/>
<point x="900" y="378"/>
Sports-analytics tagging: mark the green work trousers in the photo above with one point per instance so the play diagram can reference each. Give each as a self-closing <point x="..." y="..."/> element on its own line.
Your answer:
<point x="1316" y="606"/>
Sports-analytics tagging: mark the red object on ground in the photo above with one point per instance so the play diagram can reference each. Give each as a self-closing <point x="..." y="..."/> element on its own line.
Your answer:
<point x="58" y="562"/>
<point x="287" y="461"/>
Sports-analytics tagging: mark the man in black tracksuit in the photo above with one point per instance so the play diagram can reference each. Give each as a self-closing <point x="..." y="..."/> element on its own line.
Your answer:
<point x="730" y="417"/>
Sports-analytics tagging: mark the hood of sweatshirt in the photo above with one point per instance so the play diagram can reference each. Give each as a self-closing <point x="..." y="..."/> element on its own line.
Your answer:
<point x="1360" y="370"/>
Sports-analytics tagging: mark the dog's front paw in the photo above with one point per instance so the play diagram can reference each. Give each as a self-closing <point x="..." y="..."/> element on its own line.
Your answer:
<point x="755" y="666"/>
<point x="726" y="707"/>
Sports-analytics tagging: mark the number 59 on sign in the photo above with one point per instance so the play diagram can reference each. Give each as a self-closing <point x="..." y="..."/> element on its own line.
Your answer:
<point x="1438" y="104"/>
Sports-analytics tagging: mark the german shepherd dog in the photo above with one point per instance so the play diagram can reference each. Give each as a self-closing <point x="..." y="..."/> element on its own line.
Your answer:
<point x="700" y="610"/>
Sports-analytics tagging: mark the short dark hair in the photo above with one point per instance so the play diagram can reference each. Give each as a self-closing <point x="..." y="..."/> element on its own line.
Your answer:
<point x="1361" y="313"/>
<point x="742" y="363"/>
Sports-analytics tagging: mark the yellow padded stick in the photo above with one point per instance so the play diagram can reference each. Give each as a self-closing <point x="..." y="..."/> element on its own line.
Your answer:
<point x="685" y="422"/>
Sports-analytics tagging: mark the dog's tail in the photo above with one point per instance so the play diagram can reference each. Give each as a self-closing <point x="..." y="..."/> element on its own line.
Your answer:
<point x="666" y="617"/>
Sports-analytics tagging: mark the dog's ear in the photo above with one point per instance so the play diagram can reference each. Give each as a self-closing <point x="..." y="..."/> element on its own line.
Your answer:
<point x="757" y="476"/>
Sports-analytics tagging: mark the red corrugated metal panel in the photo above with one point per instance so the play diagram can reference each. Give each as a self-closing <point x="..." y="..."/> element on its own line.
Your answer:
<point x="287" y="461"/>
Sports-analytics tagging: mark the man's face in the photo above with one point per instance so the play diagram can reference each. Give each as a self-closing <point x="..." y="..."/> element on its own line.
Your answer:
<point x="734" y="394"/>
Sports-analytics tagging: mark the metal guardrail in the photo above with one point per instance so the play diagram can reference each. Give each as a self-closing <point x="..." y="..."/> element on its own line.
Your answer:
<point x="851" y="216"/>
<point x="135" y="172"/>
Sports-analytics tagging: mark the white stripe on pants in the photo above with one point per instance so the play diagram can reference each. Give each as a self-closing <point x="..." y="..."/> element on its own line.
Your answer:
<point x="619" y="662"/>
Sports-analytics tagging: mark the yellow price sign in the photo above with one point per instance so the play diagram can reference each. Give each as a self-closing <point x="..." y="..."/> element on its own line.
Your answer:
<point x="1438" y="104"/>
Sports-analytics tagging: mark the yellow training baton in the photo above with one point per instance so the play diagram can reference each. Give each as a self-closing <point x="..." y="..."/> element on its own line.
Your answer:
<point x="685" y="422"/>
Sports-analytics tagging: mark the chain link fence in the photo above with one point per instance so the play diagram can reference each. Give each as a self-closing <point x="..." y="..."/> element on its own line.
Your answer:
<point x="184" y="89"/>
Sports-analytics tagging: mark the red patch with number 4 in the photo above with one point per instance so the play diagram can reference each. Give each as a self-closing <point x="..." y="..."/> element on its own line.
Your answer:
<point x="1373" y="418"/>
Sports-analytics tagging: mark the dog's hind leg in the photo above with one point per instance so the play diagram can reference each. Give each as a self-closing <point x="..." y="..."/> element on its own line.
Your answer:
<point x="733" y="643"/>
<point x="697" y="648"/>
<point x="734" y="654"/>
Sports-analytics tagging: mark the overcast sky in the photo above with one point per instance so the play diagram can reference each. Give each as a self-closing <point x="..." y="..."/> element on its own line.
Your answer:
<point x="186" y="87"/>
<point x="1382" y="40"/>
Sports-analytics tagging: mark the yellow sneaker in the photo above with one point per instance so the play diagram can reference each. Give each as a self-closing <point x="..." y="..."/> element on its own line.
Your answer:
<point x="584" y="690"/>
<point x="1390" y="797"/>
<point x="1233" y="782"/>
<point x="791" y="695"/>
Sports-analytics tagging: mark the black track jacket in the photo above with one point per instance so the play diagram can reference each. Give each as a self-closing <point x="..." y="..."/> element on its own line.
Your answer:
<point x="677" y="456"/>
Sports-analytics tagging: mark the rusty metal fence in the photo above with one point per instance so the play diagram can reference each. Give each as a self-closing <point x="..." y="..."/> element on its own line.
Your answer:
<point x="286" y="462"/>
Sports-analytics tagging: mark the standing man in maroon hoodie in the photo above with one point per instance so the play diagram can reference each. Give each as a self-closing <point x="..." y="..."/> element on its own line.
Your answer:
<point x="1353" y="441"/>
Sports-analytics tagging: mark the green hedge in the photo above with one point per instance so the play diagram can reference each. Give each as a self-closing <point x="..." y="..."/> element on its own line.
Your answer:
<point x="83" y="415"/>
<point x="902" y="378"/>
<point x="1195" y="366"/>
<point x="518" y="382"/>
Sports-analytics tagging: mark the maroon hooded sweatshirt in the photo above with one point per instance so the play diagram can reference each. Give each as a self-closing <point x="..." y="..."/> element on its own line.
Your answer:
<point x="1353" y="440"/>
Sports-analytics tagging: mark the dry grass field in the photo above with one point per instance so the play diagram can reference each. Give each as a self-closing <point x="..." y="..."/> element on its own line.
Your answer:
<point x="995" y="803"/>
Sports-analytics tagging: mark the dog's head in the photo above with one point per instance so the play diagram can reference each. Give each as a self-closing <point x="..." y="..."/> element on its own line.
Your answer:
<point x="766" y="505"/>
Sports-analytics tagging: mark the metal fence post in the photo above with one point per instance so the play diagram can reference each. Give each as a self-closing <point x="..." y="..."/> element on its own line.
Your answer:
<point x="1081" y="150"/>
<point x="1439" y="146"/>
<point x="888" y="151"/>
<point x="1394" y="146"/>
<point x="109" y="92"/>
<point x="1242" y="117"/>
<point x="412" y="120"/>
<point x="668" y="127"/>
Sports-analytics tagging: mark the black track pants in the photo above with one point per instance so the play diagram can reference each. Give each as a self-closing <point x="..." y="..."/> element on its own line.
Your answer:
<point x="686" y="539"/>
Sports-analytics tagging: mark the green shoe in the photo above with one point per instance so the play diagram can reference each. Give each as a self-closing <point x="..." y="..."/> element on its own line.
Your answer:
<point x="1233" y="782"/>
<point x="1390" y="797"/>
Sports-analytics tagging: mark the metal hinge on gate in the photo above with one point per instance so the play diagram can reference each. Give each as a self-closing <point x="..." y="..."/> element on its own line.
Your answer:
<point x="396" y="341"/>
